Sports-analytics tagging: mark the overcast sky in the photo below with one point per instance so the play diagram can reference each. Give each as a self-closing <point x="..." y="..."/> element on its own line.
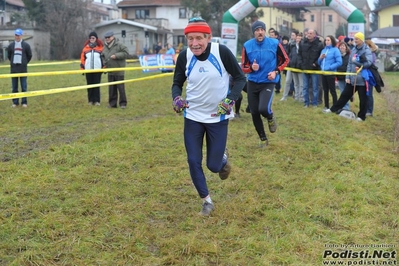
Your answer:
<point x="371" y="4"/>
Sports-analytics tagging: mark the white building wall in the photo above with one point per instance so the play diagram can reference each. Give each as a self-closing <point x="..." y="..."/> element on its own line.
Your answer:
<point x="108" y="2"/>
<point x="172" y="13"/>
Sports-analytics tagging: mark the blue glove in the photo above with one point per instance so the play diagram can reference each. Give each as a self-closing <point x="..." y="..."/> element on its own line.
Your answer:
<point x="179" y="104"/>
<point x="225" y="107"/>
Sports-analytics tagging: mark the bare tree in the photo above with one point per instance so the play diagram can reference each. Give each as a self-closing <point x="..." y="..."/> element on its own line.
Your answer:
<point x="66" y="20"/>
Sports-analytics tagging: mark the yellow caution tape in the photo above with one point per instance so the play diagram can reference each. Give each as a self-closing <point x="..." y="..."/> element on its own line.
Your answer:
<point x="69" y="72"/>
<point x="64" y="62"/>
<point x="68" y="89"/>
<point x="50" y="63"/>
<point x="322" y="72"/>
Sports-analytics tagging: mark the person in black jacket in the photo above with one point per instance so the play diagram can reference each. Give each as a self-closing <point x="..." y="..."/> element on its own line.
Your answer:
<point x="19" y="54"/>
<point x="308" y="54"/>
<point x="345" y="53"/>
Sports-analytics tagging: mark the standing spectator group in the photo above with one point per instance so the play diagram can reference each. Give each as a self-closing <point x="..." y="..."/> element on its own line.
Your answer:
<point x="314" y="53"/>
<point x="360" y="57"/>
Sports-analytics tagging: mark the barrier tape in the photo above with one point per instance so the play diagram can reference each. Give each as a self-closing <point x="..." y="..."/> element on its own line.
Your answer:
<point x="69" y="72"/>
<point x="68" y="89"/>
<point x="64" y="62"/>
<point x="322" y="72"/>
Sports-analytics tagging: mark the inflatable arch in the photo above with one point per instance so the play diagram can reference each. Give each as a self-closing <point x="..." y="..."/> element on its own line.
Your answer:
<point x="240" y="10"/>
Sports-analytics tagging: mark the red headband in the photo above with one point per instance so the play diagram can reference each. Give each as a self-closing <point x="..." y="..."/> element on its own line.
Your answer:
<point x="202" y="27"/>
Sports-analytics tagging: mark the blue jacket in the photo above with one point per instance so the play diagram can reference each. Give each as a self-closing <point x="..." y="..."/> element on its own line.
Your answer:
<point x="265" y="54"/>
<point x="333" y="59"/>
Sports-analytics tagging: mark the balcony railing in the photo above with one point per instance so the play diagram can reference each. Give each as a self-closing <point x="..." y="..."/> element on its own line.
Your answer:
<point x="156" y="22"/>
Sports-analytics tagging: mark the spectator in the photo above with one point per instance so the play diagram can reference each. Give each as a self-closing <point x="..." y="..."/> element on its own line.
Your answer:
<point x="270" y="32"/>
<point x="19" y="54"/>
<point x="170" y="49"/>
<point x="330" y="59"/>
<point x="308" y="54"/>
<point x="345" y="53"/>
<point x="285" y="43"/>
<point x="360" y="57"/>
<point x="274" y="34"/>
<point x="292" y="41"/>
<point x="349" y="42"/>
<point x="294" y="33"/>
<point x="90" y="58"/>
<point x="292" y="76"/>
<point x="370" y="98"/>
<point x="158" y="48"/>
<point x="341" y="38"/>
<point x="263" y="59"/>
<point x="208" y="105"/>
<point x="114" y="56"/>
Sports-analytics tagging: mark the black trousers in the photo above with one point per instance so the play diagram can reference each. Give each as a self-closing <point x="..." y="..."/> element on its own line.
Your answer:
<point x="347" y="94"/>
<point x="260" y="97"/>
<point x="93" y="94"/>
<point x="114" y="89"/>
<point x="328" y="82"/>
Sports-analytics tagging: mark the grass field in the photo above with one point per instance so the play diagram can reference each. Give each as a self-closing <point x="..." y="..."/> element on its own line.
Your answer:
<point x="88" y="185"/>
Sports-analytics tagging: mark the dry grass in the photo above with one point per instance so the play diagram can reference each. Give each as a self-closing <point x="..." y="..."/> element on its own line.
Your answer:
<point x="85" y="185"/>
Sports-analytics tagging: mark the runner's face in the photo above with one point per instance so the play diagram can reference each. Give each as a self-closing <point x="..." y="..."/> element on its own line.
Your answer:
<point x="197" y="42"/>
<point x="259" y="34"/>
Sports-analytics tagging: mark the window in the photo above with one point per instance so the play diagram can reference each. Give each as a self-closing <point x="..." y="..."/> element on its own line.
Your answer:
<point x="312" y="18"/>
<point x="329" y="18"/>
<point x="182" y="13"/>
<point x="395" y="21"/>
<point x="142" y="13"/>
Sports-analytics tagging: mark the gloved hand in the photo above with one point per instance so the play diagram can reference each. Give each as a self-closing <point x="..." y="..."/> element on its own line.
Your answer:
<point x="179" y="104"/>
<point x="225" y="107"/>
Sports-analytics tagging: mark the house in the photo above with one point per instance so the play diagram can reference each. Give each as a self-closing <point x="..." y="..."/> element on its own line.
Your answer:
<point x="326" y="21"/>
<point x="136" y="36"/>
<point x="109" y="2"/>
<point x="7" y="10"/>
<point x="168" y="16"/>
<point x="388" y="16"/>
<point x="102" y="12"/>
<point x="284" y="20"/>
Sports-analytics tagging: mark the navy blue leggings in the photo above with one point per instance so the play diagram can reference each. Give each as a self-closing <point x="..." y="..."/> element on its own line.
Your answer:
<point x="216" y="138"/>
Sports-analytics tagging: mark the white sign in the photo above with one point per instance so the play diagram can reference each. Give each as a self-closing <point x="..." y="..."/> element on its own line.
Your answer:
<point x="230" y="36"/>
<point x="354" y="28"/>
